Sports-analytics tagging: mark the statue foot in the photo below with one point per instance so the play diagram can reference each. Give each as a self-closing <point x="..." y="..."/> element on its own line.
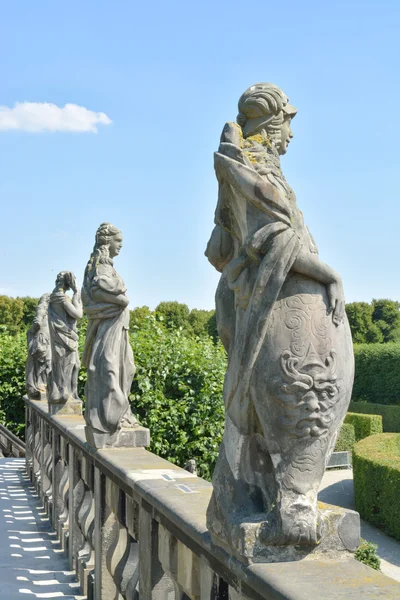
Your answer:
<point x="128" y="421"/>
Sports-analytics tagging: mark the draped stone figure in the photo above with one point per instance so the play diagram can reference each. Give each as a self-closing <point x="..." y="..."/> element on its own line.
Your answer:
<point x="108" y="355"/>
<point x="280" y="315"/>
<point x="63" y="315"/>
<point x="38" y="364"/>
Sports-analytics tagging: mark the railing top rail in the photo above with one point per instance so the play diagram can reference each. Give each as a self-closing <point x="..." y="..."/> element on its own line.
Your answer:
<point x="178" y="500"/>
<point x="12" y="438"/>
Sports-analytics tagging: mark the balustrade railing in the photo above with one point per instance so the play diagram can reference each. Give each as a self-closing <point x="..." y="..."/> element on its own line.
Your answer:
<point x="133" y="527"/>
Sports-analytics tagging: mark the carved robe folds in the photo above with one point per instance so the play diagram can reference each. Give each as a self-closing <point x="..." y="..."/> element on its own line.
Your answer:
<point x="290" y="370"/>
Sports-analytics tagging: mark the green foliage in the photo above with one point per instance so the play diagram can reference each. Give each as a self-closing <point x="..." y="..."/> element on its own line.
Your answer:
<point x="390" y="414"/>
<point x="376" y="468"/>
<point x="374" y="323"/>
<point x="13" y="354"/>
<point x="29" y="310"/>
<point x="199" y="320"/>
<point x="177" y="393"/>
<point x="377" y="373"/>
<point x="386" y="315"/>
<point x="363" y="330"/>
<point x="173" y="314"/>
<point x="366" y="553"/>
<point x="364" y="425"/>
<point x="346" y="438"/>
<point x="11" y="313"/>
<point x="138" y="316"/>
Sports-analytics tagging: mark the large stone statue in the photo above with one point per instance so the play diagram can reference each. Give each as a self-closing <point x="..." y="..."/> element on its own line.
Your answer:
<point x="281" y="318"/>
<point x="63" y="314"/>
<point x="38" y="364"/>
<point x="108" y="355"/>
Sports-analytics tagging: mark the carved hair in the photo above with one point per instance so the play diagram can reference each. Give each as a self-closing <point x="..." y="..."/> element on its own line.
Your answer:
<point x="263" y="106"/>
<point x="104" y="233"/>
<point x="65" y="278"/>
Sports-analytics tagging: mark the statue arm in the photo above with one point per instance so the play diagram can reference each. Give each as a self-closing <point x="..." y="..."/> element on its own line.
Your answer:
<point x="74" y="307"/>
<point x="311" y="266"/>
<point x="101" y="295"/>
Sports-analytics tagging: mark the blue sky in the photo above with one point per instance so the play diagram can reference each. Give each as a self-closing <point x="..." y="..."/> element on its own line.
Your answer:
<point x="168" y="74"/>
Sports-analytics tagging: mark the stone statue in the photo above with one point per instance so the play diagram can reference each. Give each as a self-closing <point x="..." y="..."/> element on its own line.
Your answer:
<point x="280" y="315"/>
<point x="38" y="363"/>
<point x="108" y="355"/>
<point x="63" y="314"/>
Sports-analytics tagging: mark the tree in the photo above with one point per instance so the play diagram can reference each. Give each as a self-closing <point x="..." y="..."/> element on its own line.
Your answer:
<point x="30" y="306"/>
<point x="173" y="314"/>
<point x="386" y="316"/>
<point x="199" y="320"/>
<point x="363" y="329"/>
<point x="138" y="316"/>
<point x="11" y="313"/>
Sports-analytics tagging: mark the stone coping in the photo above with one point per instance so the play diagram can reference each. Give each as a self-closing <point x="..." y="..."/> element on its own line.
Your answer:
<point x="178" y="499"/>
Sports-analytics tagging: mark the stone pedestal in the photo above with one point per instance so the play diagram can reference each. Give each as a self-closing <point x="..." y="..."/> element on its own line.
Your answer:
<point x="338" y="535"/>
<point x="123" y="438"/>
<point x="71" y="407"/>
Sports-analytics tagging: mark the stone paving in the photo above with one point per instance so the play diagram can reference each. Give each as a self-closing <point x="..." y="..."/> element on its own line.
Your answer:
<point x="337" y="488"/>
<point x="32" y="564"/>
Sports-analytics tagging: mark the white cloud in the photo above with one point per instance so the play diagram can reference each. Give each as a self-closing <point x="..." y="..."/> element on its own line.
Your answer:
<point x="43" y="116"/>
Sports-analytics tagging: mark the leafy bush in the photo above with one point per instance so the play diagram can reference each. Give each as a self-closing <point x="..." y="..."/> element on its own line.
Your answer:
<point x="13" y="352"/>
<point x="364" y="425"/>
<point x="377" y="373"/>
<point x="346" y="438"/>
<point x="366" y="553"/>
<point x="376" y="465"/>
<point x="390" y="414"/>
<point x="177" y="393"/>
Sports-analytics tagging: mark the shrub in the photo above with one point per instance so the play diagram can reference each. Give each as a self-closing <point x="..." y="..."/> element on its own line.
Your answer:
<point x="366" y="553"/>
<point x="390" y="414"/>
<point x="346" y="438"/>
<point x="13" y="352"/>
<point x="377" y="373"/>
<point x="177" y="393"/>
<point x="364" y="425"/>
<point x="376" y="465"/>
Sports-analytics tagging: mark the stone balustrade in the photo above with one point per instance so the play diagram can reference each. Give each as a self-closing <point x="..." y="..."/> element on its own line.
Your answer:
<point x="134" y="526"/>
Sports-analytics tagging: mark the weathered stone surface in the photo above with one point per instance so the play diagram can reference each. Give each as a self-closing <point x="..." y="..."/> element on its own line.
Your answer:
<point x="280" y="315"/>
<point x="38" y="363"/>
<point x="63" y="314"/>
<point x="108" y="355"/>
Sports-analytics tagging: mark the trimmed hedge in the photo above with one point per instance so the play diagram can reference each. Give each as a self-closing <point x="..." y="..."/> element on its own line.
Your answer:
<point x="376" y="467"/>
<point x="377" y="373"/>
<point x="364" y="425"/>
<point x="346" y="438"/>
<point x="390" y="414"/>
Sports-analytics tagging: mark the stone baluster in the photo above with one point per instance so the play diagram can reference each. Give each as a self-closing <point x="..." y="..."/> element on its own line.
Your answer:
<point x="61" y="490"/>
<point x="122" y="554"/>
<point x="83" y="551"/>
<point x="29" y="440"/>
<point x="37" y="462"/>
<point x="47" y="469"/>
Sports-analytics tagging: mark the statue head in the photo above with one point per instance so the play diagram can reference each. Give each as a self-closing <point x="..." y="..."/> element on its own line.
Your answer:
<point x="66" y="280"/>
<point x="108" y="240"/>
<point x="264" y="107"/>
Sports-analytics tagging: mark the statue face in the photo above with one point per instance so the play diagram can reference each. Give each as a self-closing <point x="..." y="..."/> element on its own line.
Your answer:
<point x="115" y="244"/>
<point x="286" y="135"/>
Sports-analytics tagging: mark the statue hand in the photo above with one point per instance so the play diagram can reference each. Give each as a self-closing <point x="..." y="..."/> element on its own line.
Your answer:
<point x="336" y="300"/>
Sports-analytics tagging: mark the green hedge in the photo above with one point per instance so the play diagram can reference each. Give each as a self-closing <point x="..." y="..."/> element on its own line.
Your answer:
<point x="376" y="467"/>
<point x="346" y="438"/>
<point x="390" y="414"/>
<point x="377" y="373"/>
<point x="364" y="425"/>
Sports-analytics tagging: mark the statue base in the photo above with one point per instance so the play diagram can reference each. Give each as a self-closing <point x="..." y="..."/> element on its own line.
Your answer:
<point x="338" y="534"/>
<point x="135" y="437"/>
<point x="70" y="407"/>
